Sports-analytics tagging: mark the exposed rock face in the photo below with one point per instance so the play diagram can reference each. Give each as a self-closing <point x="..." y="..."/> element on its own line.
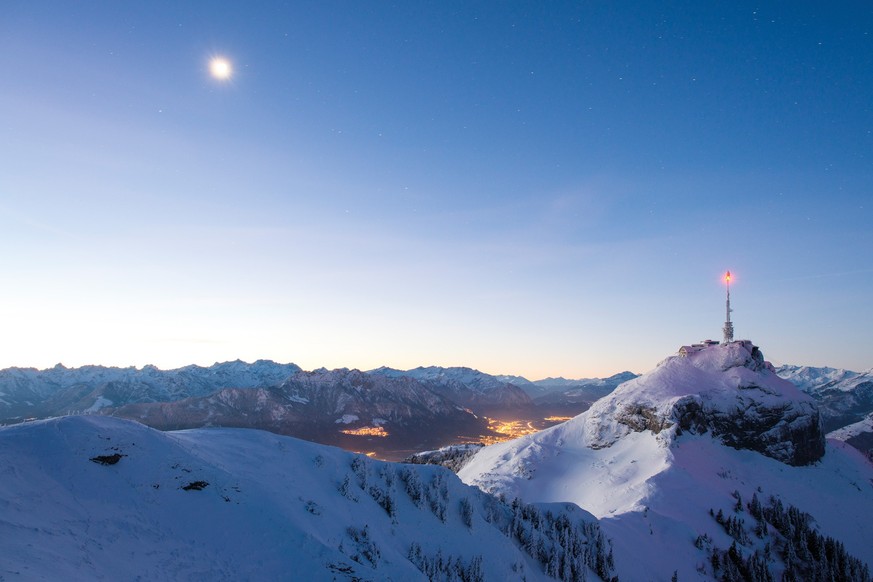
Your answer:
<point x="727" y="391"/>
<point x="639" y="418"/>
<point x="453" y="457"/>
<point x="789" y="433"/>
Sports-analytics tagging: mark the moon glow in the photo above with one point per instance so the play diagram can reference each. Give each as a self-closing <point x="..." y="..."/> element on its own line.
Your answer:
<point x="220" y="68"/>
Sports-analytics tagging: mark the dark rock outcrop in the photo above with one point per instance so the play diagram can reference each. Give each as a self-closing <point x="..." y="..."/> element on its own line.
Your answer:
<point x="791" y="434"/>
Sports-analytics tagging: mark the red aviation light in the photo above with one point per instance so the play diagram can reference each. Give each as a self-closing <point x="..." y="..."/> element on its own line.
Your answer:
<point x="727" y="277"/>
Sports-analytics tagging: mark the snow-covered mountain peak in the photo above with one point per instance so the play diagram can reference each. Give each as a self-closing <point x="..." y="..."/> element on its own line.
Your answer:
<point x="703" y="431"/>
<point x="728" y="391"/>
<point x="738" y="354"/>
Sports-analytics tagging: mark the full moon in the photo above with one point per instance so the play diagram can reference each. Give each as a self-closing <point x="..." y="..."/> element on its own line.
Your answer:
<point x="220" y="68"/>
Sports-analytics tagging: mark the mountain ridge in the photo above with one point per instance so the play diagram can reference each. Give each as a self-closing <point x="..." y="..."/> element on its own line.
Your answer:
<point x="58" y="390"/>
<point x="466" y="386"/>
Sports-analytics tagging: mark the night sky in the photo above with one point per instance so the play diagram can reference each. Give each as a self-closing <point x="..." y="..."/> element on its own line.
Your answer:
<point x="520" y="187"/>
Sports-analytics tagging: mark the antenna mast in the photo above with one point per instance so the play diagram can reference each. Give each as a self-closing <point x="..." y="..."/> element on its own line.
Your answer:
<point x="728" y="326"/>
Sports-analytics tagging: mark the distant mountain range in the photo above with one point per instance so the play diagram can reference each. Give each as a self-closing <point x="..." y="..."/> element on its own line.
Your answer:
<point x="470" y="388"/>
<point x="389" y="411"/>
<point x="597" y="387"/>
<point x="844" y="397"/>
<point x="569" y="393"/>
<point x="341" y="407"/>
<point x="382" y="409"/>
<point x="27" y="392"/>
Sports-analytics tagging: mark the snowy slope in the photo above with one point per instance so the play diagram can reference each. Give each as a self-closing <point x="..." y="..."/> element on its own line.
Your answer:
<point x="92" y="497"/>
<point x="862" y="426"/>
<point x="858" y="435"/>
<point x="652" y="458"/>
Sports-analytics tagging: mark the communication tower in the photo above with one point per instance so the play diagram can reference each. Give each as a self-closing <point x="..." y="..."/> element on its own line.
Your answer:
<point x="728" y="325"/>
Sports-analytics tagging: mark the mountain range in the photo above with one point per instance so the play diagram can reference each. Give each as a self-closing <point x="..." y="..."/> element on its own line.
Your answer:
<point x="537" y="388"/>
<point x="571" y="393"/>
<point x="709" y="467"/>
<point x="391" y="412"/>
<point x="468" y="387"/>
<point x="28" y="392"/>
<point x="349" y="408"/>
